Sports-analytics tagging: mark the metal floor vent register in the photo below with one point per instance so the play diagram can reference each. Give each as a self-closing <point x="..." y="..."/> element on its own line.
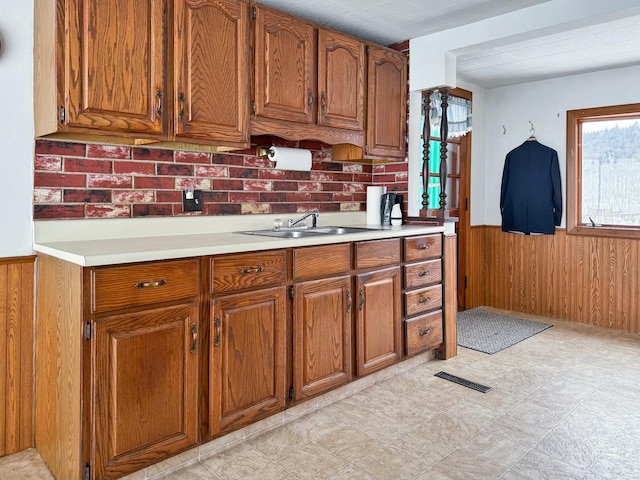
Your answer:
<point x="463" y="382"/>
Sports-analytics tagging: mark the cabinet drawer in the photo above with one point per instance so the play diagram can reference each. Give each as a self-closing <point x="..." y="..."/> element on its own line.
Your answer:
<point x="250" y="270"/>
<point x="423" y="273"/>
<point x="322" y="261"/>
<point x="422" y="300"/>
<point x="423" y="332"/>
<point x="423" y="247"/>
<point x="134" y="285"/>
<point x="377" y="253"/>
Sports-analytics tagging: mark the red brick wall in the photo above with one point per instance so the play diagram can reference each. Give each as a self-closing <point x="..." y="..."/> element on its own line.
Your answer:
<point x="76" y="180"/>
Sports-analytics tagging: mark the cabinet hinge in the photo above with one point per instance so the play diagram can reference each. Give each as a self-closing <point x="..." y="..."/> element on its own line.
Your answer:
<point x="253" y="107"/>
<point x="87" y="472"/>
<point x="291" y="292"/>
<point x="291" y="393"/>
<point x="253" y="12"/>
<point x="87" y="331"/>
<point x="62" y="114"/>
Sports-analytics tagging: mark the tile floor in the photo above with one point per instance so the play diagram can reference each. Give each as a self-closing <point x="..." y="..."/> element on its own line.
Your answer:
<point x="564" y="405"/>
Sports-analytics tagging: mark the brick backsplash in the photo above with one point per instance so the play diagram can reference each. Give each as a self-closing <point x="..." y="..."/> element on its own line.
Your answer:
<point x="75" y="180"/>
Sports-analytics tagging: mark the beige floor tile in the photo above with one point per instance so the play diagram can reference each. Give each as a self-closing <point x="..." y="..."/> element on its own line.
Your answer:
<point x="350" y="444"/>
<point x="531" y="418"/>
<point x="237" y="462"/>
<point x="390" y="463"/>
<point x="574" y="451"/>
<point x="273" y="471"/>
<point x="277" y="443"/>
<point x="500" y="446"/>
<point x="538" y="466"/>
<point x="195" y="471"/>
<point x="23" y="465"/>
<point x="351" y="473"/>
<point x="316" y="425"/>
<point x="313" y="462"/>
<point x="461" y="466"/>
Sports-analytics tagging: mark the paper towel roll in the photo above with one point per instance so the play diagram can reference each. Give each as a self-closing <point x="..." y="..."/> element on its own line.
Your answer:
<point x="290" y="158"/>
<point x="374" y="197"/>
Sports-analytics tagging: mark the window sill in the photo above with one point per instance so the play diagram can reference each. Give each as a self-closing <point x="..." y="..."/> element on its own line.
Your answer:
<point x="604" y="231"/>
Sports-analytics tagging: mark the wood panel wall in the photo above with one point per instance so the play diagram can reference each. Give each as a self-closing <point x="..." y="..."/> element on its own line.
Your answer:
<point x="16" y="354"/>
<point x="588" y="280"/>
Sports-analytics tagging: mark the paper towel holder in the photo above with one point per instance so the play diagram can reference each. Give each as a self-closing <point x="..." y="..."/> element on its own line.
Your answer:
<point x="262" y="151"/>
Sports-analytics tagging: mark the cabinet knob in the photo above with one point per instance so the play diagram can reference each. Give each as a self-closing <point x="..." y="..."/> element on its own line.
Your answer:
<point x="323" y="102"/>
<point x="425" y="331"/>
<point x="159" y="103"/>
<point x="423" y="273"/>
<point x="348" y="301"/>
<point x="424" y="300"/>
<point x="424" y="246"/>
<point x="361" y="305"/>
<point x="310" y="100"/>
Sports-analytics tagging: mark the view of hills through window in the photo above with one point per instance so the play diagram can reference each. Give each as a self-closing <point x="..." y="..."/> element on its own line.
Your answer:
<point x="611" y="172"/>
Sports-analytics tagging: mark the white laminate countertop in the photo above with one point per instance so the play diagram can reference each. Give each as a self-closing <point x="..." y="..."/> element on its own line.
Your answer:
<point x="97" y="242"/>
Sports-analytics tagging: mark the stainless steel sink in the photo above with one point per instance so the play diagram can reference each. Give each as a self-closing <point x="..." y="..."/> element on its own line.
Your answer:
<point x="308" y="232"/>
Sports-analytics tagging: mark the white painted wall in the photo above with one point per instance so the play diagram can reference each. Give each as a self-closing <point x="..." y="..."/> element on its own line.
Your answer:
<point x="545" y="104"/>
<point x="16" y="128"/>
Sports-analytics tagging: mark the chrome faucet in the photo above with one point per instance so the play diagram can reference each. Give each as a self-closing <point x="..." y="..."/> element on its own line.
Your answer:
<point x="314" y="219"/>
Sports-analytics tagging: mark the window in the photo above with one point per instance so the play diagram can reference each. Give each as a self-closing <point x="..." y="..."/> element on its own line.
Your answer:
<point x="603" y="171"/>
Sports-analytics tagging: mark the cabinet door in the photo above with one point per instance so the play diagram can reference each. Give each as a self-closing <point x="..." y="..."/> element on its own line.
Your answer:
<point x="247" y="358"/>
<point x="321" y="336"/>
<point x="378" y="325"/>
<point x="114" y="74"/>
<point x="146" y="383"/>
<point x="340" y="80"/>
<point x="386" y="102"/>
<point x="212" y="70"/>
<point x="284" y="67"/>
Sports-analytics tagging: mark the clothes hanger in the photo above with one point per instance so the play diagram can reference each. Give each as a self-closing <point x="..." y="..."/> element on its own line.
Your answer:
<point x="533" y="131"/>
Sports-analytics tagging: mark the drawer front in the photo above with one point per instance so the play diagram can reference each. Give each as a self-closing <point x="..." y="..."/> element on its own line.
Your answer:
<point x="423" y="273"/>
<point x="134" y="285"/>
<point x="423" y="247"/>
<point x="423" y="332"/>
<point x="422" y="300"/>
<point x="321" y="261"/>
<point x="238" y="272"/>
<point x="377" y="253"/>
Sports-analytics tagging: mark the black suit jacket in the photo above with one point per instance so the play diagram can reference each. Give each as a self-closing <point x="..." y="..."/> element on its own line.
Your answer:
<point x="531" y="196"/>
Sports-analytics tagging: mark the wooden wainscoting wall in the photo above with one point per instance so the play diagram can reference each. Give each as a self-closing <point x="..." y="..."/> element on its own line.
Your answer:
<point x="590" y="280"/>
<point x="16" y="354"/>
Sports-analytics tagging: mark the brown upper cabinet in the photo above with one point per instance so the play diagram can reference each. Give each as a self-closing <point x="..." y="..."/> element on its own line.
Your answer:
<point x="211" y="58"/>
<point x="104" y="68"/>
<point x="386" y="117"/>
<point x="308" y="81"/>
<point x="199" y="72"/>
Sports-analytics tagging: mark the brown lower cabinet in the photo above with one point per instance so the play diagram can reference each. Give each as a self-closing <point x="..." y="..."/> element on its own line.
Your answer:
<point x="138" y="362"/>
<point x="247" y="358"/>
<point x="145" y="382"/>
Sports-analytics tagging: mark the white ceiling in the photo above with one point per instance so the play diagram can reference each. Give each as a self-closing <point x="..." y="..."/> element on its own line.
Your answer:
<point x="596" y="47"/>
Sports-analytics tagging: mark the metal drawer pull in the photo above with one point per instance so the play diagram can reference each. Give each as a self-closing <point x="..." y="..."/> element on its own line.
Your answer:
<point x="424" y="246"/>
<point x="216" y="339"/>
<point x="348" y="301"/>
<point x="361" y="305"/>
<point x="157" y="283"/>
<point x="423" y="273"/>
<point x="424" y="300"/>
<point x="194" y="337"/>
<point x="246" y="271"/>
<point x="425" y="331"/>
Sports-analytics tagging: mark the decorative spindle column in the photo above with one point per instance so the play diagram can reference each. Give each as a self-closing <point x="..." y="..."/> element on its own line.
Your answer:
<point x="444" y="133"/>
<point x="426" y="134"/>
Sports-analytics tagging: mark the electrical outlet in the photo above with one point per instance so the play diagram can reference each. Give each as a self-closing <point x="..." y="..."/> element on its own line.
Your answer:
<point x="192" y="201"/>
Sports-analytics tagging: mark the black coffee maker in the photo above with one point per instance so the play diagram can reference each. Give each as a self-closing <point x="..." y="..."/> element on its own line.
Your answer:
<point x="386" y="204"/>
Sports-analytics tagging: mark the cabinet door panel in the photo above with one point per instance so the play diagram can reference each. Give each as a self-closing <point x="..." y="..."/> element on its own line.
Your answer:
<point x="378" y="326"/>
<point x="340" y="80"/>
<point x="212" y="70"/>
<point x="387" y="103"/>
<point x="145" y="388"/>
<point x="321" y="336"/>
<point x="248" y="347"/>
<point x="115" y="65"/>
<point x="284" y="67"/>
